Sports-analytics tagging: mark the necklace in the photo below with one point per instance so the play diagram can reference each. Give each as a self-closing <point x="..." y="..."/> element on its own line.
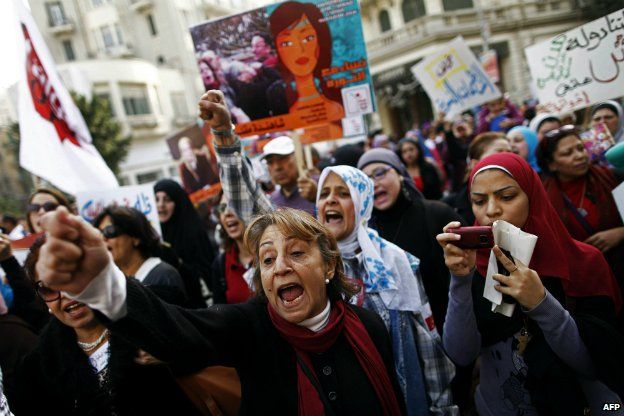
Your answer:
<point x="88" y="346"/>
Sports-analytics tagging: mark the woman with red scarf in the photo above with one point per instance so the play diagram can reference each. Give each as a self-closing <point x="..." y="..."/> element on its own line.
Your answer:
<point x="581" y="193"/>
<point x="539" y="360"/>
<point x="297" y="347"/>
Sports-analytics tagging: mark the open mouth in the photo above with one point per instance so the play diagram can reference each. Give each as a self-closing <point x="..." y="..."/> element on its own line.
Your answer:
<point x="75" y="309"/>
<point x="333" y="217"/>
<point x="380" y="196"/>
<point x="290" y="294"/>
<point x="302" y="61"/>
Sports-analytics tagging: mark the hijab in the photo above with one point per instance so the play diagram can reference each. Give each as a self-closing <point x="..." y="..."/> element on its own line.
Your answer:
<point x="184" y="230"/>
<point x="539" y="119"/>
<point x="388" y="267"/>
<point x="391" y="159"/>
<point x="530" y="137"/>
<point x="581" y="268"/>
<point x="617" y="109"/>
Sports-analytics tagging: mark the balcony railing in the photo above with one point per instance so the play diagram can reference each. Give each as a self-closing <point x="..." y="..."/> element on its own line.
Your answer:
<point x="466" y="22"/>
<point x="61" y="26"/>
<point x="141" y="5"/>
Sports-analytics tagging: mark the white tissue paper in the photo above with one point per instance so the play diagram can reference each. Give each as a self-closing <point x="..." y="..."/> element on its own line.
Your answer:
<point x="521" y="246"/>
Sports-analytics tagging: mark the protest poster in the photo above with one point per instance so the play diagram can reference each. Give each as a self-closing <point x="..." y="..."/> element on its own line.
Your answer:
<point x="489" y="62"/>
<point x="141" y="197"/>
<point x="192" y="148"/>
<point x="288" y="65"/>
<point x="597" y="140"/>
<point x="580" y="67"/>
<point x="454" y="79"/>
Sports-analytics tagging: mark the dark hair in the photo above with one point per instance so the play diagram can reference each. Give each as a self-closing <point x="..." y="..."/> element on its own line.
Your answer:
<point x="480" y="143"/>
<point x="547" y="148"/>
<point x="133" y="223"/>
<point x="9" y="218"/>
<point x="420" y="158"/>
<point x="267" y="39"/>
<point x="60" y="199"/>
<point x="301" y="225"/>
<point x="32" y="258"/>
<point x="281" y="18"/>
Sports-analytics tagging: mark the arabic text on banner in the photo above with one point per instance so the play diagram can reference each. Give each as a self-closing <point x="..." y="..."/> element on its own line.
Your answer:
<point x="141" y="197"/>
<point x="289" y="65"/>
<point x="580" y="67"/>
<point x="454" y="79"/>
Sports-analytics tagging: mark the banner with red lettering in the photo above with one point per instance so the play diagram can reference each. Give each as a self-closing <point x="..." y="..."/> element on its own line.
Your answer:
<point x="55" y="143"/>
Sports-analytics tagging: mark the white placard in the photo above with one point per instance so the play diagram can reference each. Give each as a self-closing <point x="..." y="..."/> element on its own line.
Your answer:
<point x="454" y="79"/>
<point x="141" y="197"/>
<point x="580" y="67"/>
<point x="618" y="196"/>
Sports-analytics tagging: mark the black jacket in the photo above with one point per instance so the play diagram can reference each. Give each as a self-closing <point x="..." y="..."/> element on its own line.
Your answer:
<point x="57" y="379"/>
<point x="242" y="336"/>
<point x="413" y="225"/>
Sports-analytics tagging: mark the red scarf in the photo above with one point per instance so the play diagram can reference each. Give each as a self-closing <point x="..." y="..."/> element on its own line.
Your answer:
<point x="342" y="321"/>
<point x="237" y="290"/>
<point x="582" y="268"/>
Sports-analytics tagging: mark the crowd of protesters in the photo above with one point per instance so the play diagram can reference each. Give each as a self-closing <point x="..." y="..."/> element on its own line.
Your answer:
<point x="339" y="292"/>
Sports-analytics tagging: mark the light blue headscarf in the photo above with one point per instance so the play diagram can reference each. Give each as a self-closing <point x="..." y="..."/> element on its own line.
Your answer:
<point x="530" y="137"/>
<point x="388" y="268"/>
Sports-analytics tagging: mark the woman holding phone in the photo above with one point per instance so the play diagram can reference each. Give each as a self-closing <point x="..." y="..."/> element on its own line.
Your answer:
<point x="534" y="362"/>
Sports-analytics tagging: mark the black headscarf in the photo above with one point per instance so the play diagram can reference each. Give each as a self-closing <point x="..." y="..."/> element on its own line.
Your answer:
<point x="185" y="232"/>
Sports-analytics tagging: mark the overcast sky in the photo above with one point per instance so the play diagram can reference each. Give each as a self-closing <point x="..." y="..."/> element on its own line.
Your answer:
<point x="8" y="43"/>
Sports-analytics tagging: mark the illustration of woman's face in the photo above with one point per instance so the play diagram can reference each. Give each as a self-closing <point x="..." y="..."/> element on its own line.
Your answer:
<point x="298" y="47"/>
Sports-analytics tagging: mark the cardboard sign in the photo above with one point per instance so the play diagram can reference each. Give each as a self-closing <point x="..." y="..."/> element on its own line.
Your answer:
<point x="141" y="197"/>
<point x="287" y="66"/>
<point x="580" y="67"/>
<point x="454" y="79"/>
<point x="597" y="140"/>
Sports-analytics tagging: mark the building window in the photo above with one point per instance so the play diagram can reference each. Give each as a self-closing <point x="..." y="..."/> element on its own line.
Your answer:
<point x="107" y="37"/>
<point x="147" y="177"/>
<point x="178" y="103"/>
<point x="119" y="34"/>
<point x="56" y="14"/>
<point x="413" y="9"/>
<point x="69" y="50"/>
<point x="450" y="5"/>
<point x="384" y="21"/>
<point x="152" y="25"/>
<point x="135" y="99"/>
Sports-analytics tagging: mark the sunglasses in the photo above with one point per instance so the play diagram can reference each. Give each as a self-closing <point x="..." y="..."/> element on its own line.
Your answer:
<point x="111" y="231"/>
<point x="47" y="294"/>
<point x="561" y="132"/>
<point x="47" y="207"/>
<point x="379" y="173"/>
<point x="222" y="207"/>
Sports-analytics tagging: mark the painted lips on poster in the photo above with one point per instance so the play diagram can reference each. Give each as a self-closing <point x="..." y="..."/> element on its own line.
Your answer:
<point x="289" y="65"/>
<point x="580" y="67"/>
<point x="454" y="79"/>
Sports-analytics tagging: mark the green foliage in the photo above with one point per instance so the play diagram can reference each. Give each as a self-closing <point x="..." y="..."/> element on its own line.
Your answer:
<point x="105" y="130"/>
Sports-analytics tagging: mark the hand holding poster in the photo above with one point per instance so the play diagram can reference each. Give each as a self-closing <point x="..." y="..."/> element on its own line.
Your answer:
<point x="91" y="203"/>
<point x="580" y="67"/>
<point x="454" y="79"/>
<point x="289" y="65"/>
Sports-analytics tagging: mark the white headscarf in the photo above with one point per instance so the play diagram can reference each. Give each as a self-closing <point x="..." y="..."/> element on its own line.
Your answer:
<point x="388" y="269"/>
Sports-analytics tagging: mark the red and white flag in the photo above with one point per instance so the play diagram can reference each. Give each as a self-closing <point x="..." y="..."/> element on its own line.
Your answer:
<point x="55" y="143"/>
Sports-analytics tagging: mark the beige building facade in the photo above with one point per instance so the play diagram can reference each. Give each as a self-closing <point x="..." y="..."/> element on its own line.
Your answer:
<point x="400" y="33"/>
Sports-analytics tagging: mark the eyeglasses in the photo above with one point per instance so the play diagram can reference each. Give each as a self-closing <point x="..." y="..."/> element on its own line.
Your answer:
<point x="47" y="207"/>
<point x="111" y="231"/>
<point x="47" y="294"/>
<point x="379" y="173"/>
<point x="222" y="207"/>
<point x="561" y="132"/>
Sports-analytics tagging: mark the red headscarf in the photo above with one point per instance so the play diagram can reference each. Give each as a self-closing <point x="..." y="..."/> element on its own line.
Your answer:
<point x="342" y="321"/>
<point x="582" y="268"/>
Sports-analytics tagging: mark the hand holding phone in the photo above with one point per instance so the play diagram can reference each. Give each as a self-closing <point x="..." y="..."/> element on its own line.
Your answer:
<point x="473" y="237"/>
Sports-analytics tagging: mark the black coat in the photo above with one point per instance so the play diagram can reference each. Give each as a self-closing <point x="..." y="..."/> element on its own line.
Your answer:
<point x="413" y="225"/>
<point x="242" y="336"/>
<point x="57" y="379"/>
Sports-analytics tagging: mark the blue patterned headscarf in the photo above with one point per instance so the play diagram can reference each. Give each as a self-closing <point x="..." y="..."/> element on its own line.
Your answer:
<point x="388" y="268"/>
<point x="530" y="137"/>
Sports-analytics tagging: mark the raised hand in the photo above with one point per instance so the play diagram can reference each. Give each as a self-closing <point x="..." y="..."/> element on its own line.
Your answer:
<point x="74" y="252"/>
<point x="214" y="111"/>
<point x="459" y="262"/>
<point x="523" y="284"/>
<point x="307" y="188"/>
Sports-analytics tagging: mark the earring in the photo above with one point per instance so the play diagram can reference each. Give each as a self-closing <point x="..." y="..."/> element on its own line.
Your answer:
<point x="326" y="281"/>
<point x="49" y="310"/>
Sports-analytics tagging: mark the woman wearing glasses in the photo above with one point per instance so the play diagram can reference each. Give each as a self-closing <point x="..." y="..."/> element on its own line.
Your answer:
<point x="81" y="368"/>
<point x="581" y="193"/>
<point x="230" y="267"/>
<point x="41" y="201"/>
<point x="402" y="216"/>
<point x="136" y="250"/>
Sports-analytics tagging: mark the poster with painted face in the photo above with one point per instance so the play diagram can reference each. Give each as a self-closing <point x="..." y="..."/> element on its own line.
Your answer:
<point x="288" y="65"/>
